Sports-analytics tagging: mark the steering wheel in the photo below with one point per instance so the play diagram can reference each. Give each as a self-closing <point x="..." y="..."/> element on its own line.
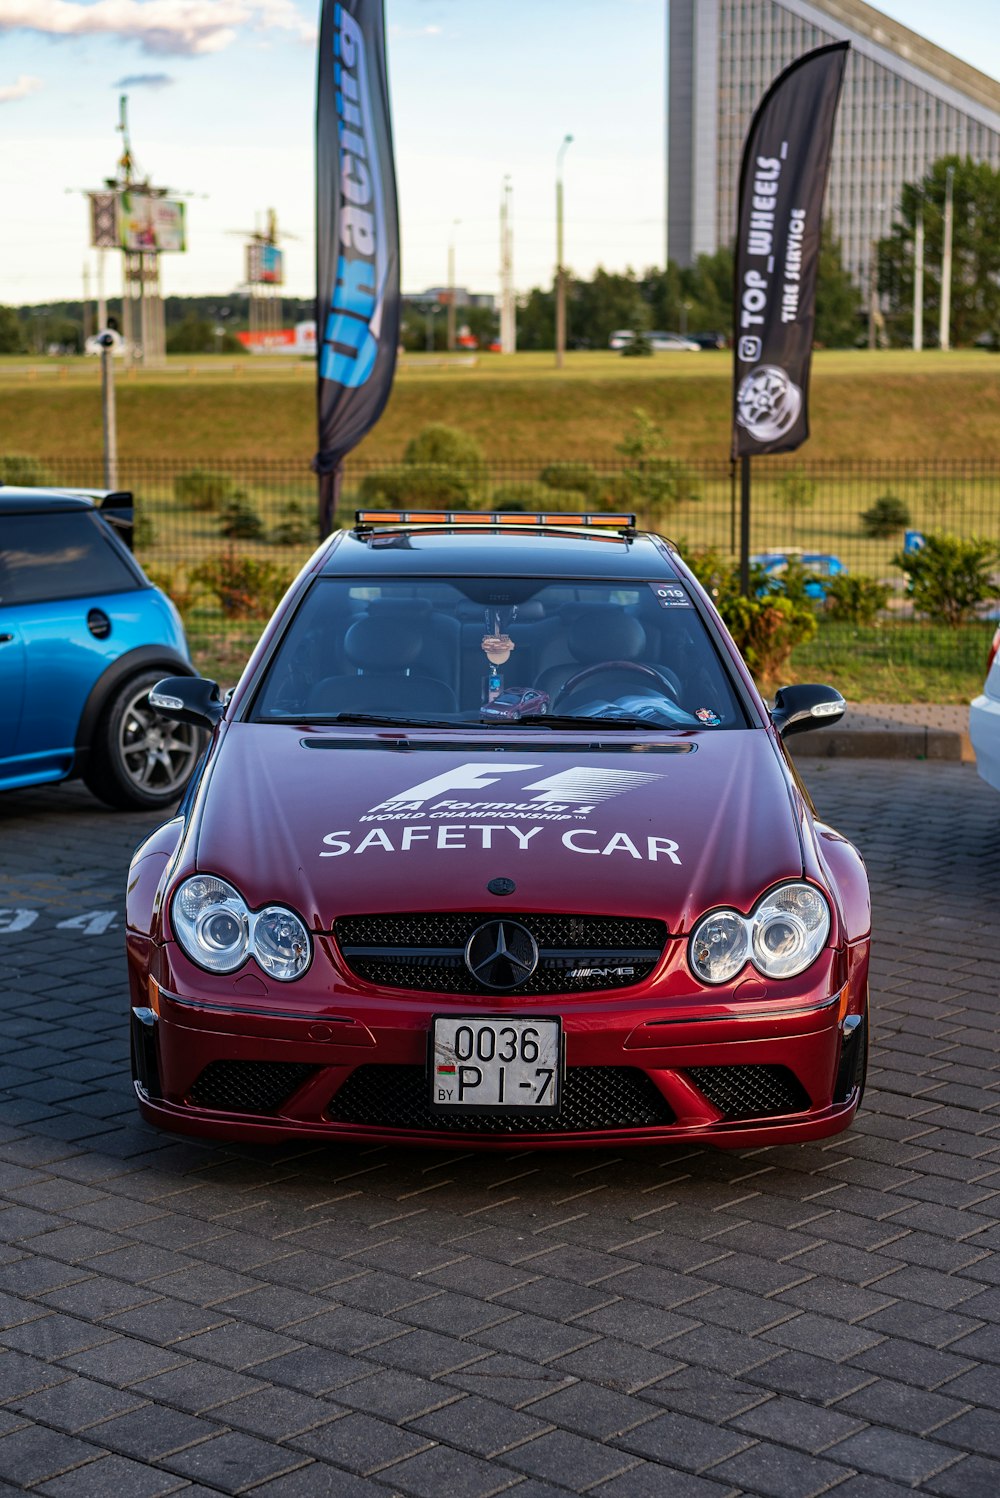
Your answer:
<point x="659" y="674"/>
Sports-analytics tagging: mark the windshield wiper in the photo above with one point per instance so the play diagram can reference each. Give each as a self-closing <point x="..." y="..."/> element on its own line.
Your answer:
<point x="378" y="720"/>
<point x="569" y="720"/>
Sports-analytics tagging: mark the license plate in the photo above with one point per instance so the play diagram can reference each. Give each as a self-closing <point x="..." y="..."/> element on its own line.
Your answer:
<point x="495" y="1064"/>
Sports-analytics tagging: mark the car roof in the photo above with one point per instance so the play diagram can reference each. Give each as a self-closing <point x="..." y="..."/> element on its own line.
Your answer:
<point x="471" y="551"/>
<point x="16" y="501"/>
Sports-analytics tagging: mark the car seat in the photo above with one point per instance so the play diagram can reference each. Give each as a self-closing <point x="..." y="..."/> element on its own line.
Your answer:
<point x="384" y="654"/>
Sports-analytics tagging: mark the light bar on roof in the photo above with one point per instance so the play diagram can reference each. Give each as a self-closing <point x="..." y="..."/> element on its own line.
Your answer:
<point x="504" y="518"/>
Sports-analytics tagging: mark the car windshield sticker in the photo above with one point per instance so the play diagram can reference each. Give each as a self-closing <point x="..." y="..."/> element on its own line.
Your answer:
<point x="671" y="595"/>
<point x="444" y="812"/>
<point x="706" y="715"/>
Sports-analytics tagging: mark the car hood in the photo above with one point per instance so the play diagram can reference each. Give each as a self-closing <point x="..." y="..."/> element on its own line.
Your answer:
<point x="334" y="825"/>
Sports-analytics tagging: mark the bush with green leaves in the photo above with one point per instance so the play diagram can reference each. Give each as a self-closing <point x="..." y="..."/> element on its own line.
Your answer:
<point x="652" y="480"/>
<point x="852" y="598"/>
<point x="529" y="494"/>
<point x="245" y="588"/>
<point x="420" y="486"/>
<point x="885" y="517"/>
<point x="581" y="479"/>
<point x="767" y="630"/>
<point x="24" y="471"/>
<point x="239" y="521"/>
<point x="295" y="528"/>
<point x="949" y="576"/>
<point x="203" y="489"/>
<point x="638" y="347"/>
<point x="796" y="490"/>
<point x="442" y="446"/>
<point x="715" y="572"/>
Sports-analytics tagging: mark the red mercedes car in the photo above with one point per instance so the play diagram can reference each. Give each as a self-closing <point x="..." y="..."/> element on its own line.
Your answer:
<point x="378" y="915"/>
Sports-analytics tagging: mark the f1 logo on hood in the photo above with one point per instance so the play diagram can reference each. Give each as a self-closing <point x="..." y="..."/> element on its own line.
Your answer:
<point x="567" y="787"/>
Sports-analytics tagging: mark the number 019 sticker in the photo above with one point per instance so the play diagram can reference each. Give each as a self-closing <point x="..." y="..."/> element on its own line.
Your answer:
<point x="671" y="595"/>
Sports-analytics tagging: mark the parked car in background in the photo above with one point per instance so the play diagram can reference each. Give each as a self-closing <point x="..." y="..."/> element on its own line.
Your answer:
<point x="383" y="915"/>
<point x="83" y="637"/>
<point x="984" y="719"/>
<point x="659" y="342"/>
<point x="822" y="564"/>
<point x="709" y="340"/>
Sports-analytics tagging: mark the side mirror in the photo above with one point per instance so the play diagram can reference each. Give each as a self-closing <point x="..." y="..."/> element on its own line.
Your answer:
<point x="806" y="705"/>
<point x="188" y="699"/>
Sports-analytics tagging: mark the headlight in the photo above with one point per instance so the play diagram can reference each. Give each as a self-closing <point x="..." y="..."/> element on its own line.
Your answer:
<point x="784" y="933"/>
<point x="790" y="928"/>
<point x="218" y="932"/>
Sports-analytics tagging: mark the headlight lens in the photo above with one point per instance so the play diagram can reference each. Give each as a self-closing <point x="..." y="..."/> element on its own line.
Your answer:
<point x="790" y="928"/>
<point x="218" y="932"/>
<point x="212" y="923"/>
<point x="784" y="933"/>
<point x="720" y="946"/>
<point x="281" y="943"/>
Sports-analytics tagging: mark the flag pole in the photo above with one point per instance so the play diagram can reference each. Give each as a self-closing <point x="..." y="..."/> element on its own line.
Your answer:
<point x="745" y="525"/>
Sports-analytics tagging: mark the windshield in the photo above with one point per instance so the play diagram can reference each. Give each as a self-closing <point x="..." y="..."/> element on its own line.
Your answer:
<point x="513" y="651"/>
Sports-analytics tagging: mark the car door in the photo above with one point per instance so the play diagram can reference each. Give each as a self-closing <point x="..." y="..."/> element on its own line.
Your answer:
<point x="11" y="681"/>
<point x="58" y="570"/>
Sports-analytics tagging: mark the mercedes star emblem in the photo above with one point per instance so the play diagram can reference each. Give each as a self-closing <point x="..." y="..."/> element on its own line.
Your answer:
<point x="501" y="954"/>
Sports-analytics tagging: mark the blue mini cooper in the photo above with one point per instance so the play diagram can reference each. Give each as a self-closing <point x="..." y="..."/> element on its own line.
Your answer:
<point x="83" y="637"/>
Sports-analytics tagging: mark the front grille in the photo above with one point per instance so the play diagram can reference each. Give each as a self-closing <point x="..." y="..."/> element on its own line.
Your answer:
<point x="593" y="1098"/>
<point x="248" y="1086"/>
<point x="426" y="952"/>
<point x="750" y="1091"/>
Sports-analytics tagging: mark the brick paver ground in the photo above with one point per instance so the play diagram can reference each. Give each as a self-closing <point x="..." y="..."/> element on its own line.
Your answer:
<point x="676" y="1323"/>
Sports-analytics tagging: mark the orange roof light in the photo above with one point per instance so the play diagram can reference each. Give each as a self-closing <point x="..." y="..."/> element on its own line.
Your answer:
<point x="536" y="519"/>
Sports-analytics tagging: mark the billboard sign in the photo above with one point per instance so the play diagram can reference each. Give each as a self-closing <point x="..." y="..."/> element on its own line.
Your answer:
<point x="782" y="181"/>
<point x="151" y="224"/>
<point x="265" y="264"/>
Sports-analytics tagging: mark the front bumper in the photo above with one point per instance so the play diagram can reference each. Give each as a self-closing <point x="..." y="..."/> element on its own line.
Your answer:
<point x="641" y="1066"/>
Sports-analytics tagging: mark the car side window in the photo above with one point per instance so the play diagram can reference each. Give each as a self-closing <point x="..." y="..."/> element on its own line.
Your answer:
<point x="47" y="557"/>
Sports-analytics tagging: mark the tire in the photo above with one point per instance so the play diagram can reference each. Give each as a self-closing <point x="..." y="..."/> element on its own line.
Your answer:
<point x="138" y="760"/>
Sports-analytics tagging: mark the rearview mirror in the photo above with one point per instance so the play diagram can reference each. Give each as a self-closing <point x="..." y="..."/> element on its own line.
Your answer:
<point x="188" y="699"/>
<point x="806" y="705"/>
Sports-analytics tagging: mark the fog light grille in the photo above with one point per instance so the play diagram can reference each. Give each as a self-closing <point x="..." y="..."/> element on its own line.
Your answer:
<point x="751" y="1091"/>
<point x="594" y="1098"/>
<point x="249" y="1086"/>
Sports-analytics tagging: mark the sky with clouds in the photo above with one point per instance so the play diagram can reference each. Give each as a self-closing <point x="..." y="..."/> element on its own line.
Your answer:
<point x="221" y="101"/>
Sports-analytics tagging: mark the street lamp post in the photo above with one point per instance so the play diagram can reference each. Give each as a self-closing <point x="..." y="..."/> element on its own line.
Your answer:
<point x="560" y="274"/>
<point x="451" y="286"/>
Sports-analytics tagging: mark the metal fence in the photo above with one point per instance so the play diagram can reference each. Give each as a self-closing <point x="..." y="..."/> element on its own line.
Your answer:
<point x="225" y="536"/>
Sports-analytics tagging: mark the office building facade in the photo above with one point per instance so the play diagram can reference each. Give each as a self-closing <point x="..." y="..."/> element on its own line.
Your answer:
<point x="905" y="104"/>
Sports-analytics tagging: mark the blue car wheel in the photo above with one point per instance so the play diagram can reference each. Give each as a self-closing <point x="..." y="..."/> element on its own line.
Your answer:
<point x="139" y="760"/>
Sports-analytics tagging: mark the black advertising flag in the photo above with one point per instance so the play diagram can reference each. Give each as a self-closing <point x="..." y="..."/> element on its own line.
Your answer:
<point x="782" y="181"/>
<point x="357" y="234"/>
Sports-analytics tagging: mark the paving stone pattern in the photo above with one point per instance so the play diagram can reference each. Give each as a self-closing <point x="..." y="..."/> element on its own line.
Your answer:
<point x="672" y="1323"/>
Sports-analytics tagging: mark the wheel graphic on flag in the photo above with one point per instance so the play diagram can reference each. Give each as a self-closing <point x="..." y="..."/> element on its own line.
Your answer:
<point x="768" y="403"/>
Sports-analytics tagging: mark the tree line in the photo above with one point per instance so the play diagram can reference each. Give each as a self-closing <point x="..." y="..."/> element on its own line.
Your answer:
<point x="698" y="298"/>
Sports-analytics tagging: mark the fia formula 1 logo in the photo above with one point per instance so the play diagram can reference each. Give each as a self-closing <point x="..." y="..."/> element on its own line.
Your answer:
<point x="579" y="789"/>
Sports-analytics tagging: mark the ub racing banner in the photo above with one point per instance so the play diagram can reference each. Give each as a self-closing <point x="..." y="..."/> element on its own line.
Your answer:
<point x="782" y="181"/>
<point x="357" y="235"/>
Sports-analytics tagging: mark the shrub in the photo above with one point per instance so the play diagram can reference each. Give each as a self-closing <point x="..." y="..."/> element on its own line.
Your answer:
<point x="949" y="576"/>
<point x="180" y="586"/>
<point x="413" y="484"/>
<point x="716" y="573"/>
<point x="885" y="517"/>
<point x="244" y="587"/>
<point x="20" y="469"/>
<point x="854" y="599"/>
<point x="143" y="531"/>
<point x="446" y="447"/>
<point x="766" y="631"/>
<point x="638" y="347"/>
<point x="295" y="526"/>
<point x="201" y="489"/>
<point x="530" y="495"/>
<point x="239" y="520"/>
<point x="581" y="478"/>
<point x="652" y="480"/>
<point x="796" y="491"/>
